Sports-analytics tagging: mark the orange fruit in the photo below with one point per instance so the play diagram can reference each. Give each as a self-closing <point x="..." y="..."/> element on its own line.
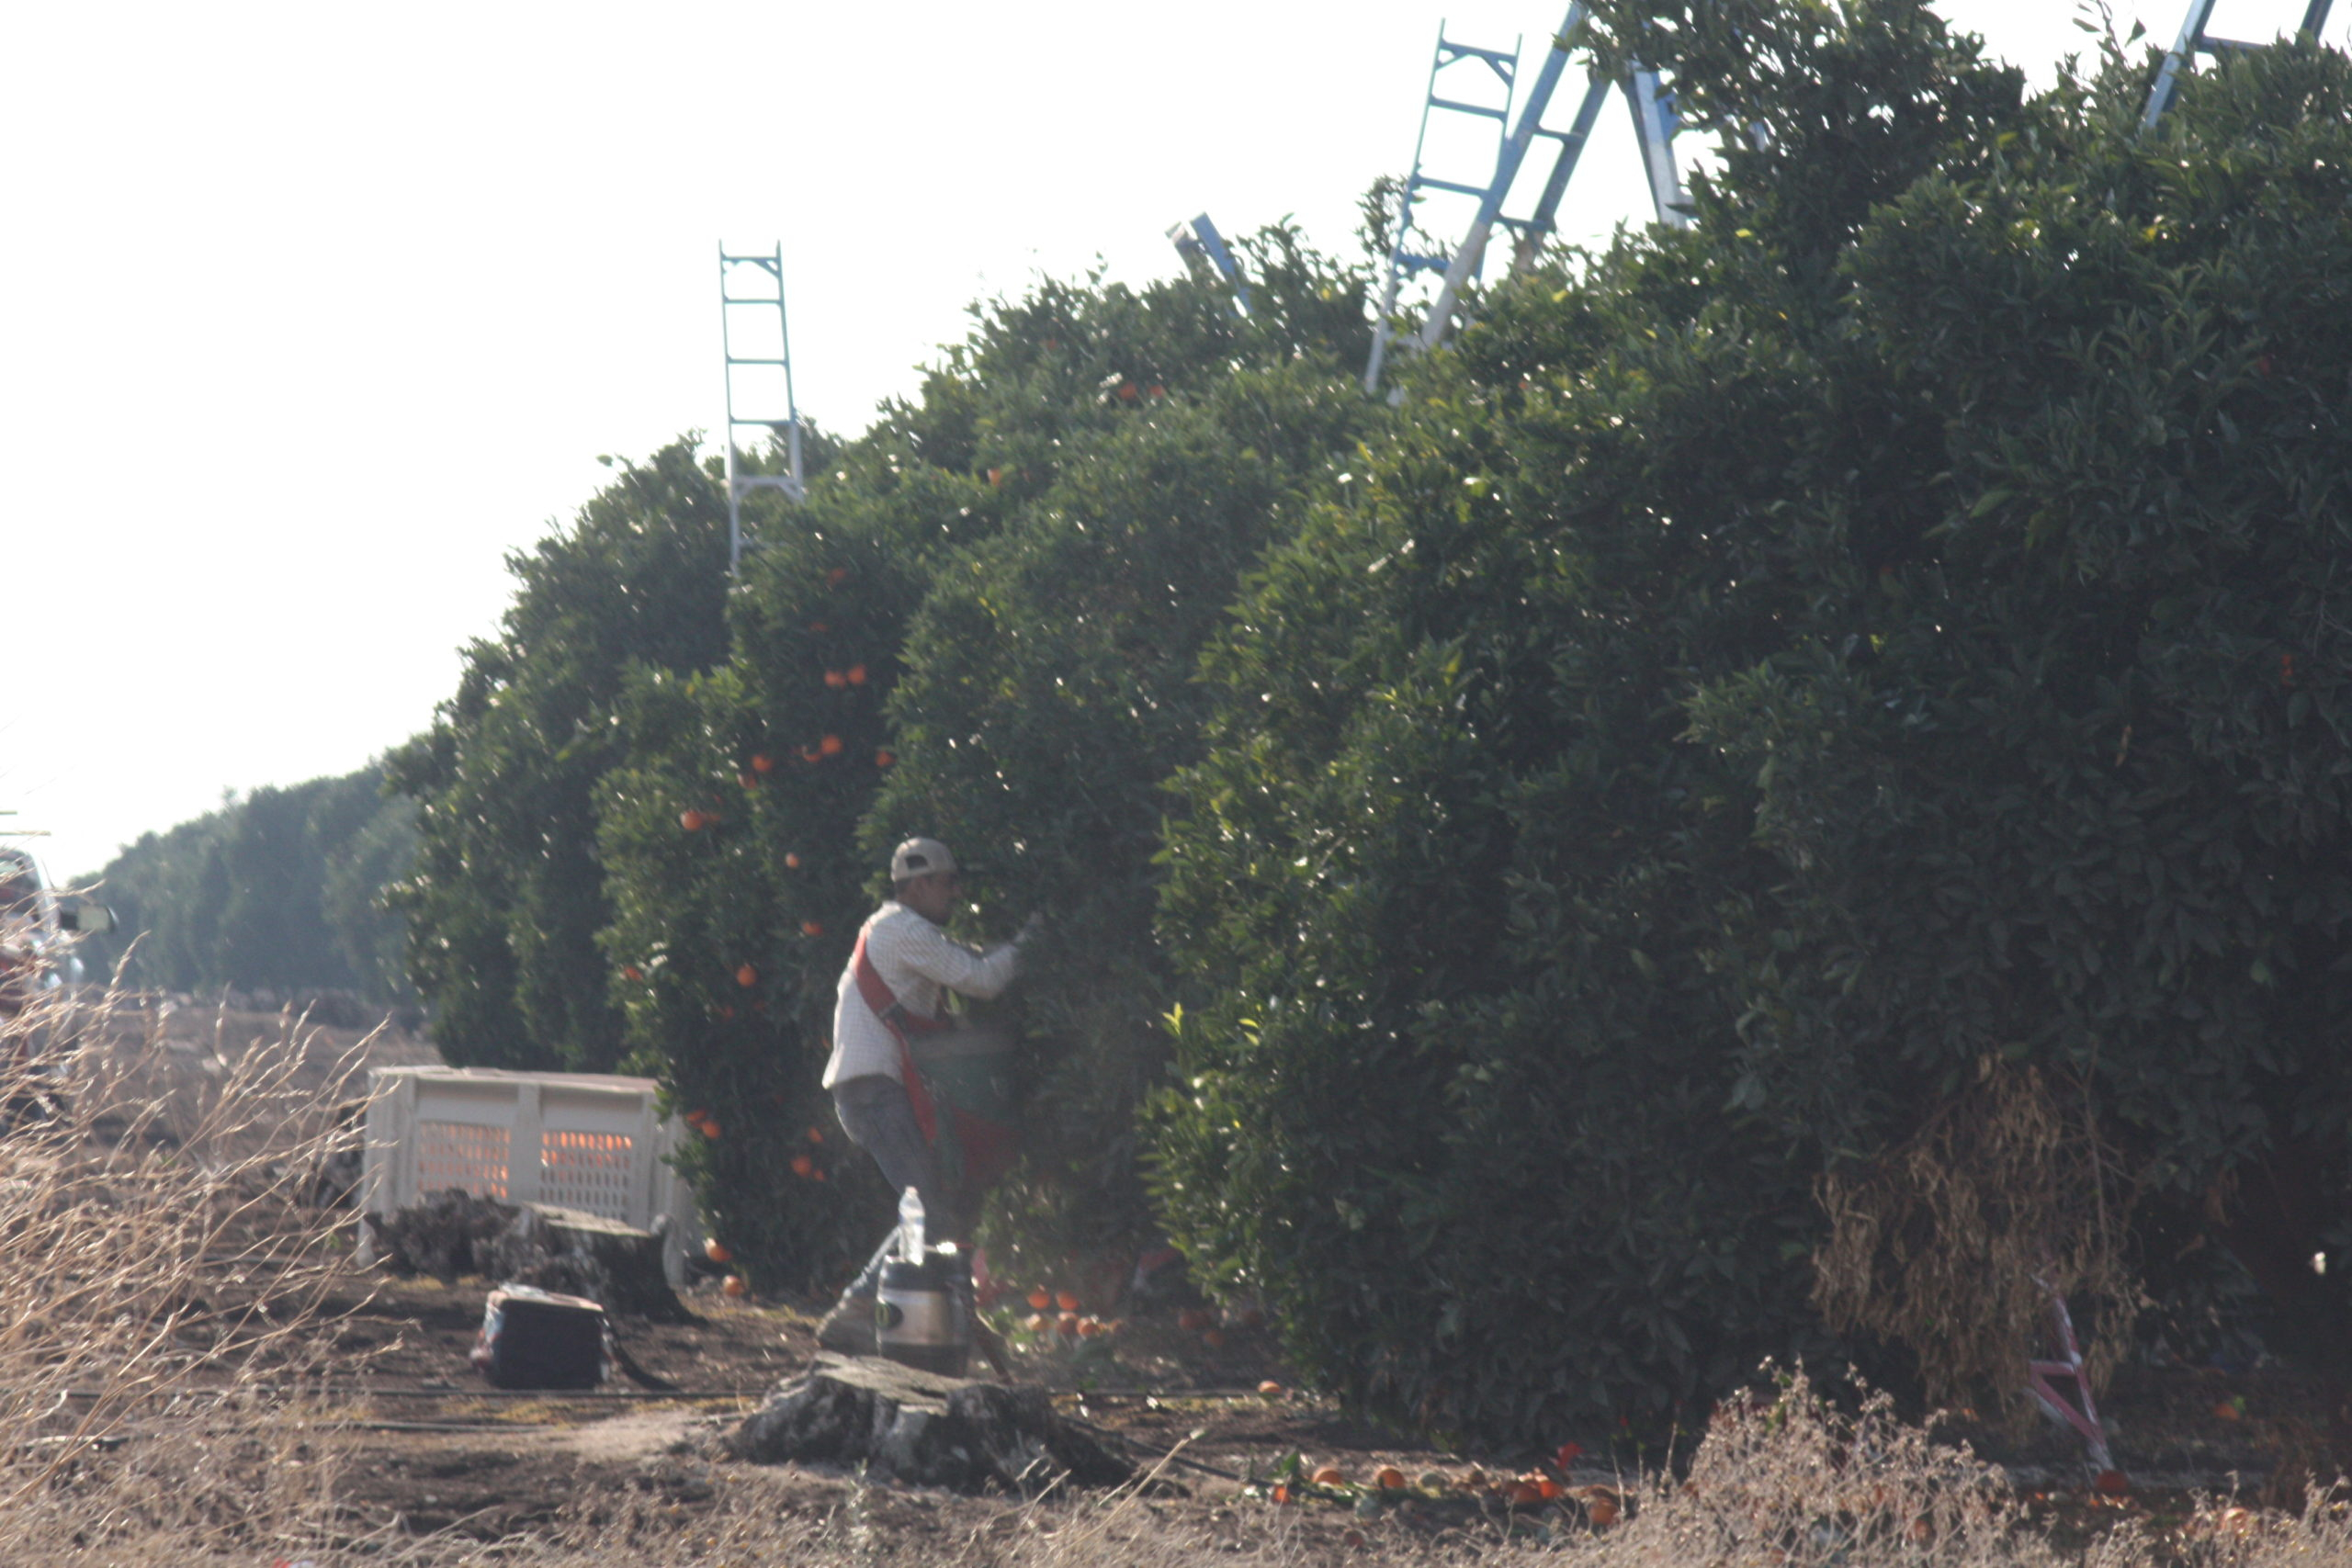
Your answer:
<point x="632" y="972"/>
<point x="1281" y="1493"/>
<point x="697" y="1117"/>
<point x="734" y="1285"/>
<point x="836" y="680"/>
<point x="812" y="928"/>
<point x="802" y="1165"/>
<point x="857" y="674"/>
<point x="830" y="746"/>
<point x="1523" y="1494"/>
<point x="792" y="860"/>
<point x="1271" y="1389"/>
<point x="727" y="1012"/>
<point x="1549" y="1487"/>
<point x="1088" y="1327"/>
<point x="1041" y="1298"/>
<point x="709" y="1128"/>
<point x="1126" y="391"/>
<point x="885" y="757"/>
<point x="1329" y="1475"/>
<point x="1214" y="1338"/>
<point x="1602" y="1509"/>
<point x="1067" y="1300"/>
<point x="1068" y="1323"/>
<point x="809" y="753"/>
<point x="749" y="780"/>
<point x="816" y="1135"/>
<point x="763" y="762"/>
<point x="692" y="820"/>
<point x="1036" y="1323"/>
<point x="2112" y="1483"/>
<point x="837" y="576"/>
<point x="716" y="1250"/>
<point x="1390" y="1479"/>
<point x="815" y="1176"/>
<point x="996" y="476"/>
<point x="747" y="975"/>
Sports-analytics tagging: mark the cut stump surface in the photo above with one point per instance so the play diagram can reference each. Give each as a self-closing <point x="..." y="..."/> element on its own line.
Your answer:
<point x="918" y="1426"/>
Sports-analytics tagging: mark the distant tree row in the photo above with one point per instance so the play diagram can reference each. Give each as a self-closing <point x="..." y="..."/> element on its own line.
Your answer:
<point x="279" y="890"/>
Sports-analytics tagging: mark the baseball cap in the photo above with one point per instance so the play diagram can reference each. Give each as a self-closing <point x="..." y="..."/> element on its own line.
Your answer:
<point x="920" y="857"/>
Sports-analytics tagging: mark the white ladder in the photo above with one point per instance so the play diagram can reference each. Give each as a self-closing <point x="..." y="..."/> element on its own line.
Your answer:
<point x="759" y="381"/>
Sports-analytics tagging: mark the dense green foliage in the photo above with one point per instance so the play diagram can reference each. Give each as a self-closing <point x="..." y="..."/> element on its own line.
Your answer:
<point x="506" y="895"/>
<point x="1721" y="719"/>
<point x="282" y="889"/>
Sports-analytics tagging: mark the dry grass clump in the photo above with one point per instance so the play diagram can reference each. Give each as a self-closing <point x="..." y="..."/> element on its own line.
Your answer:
<point x="1946" y="1243"/>
<point x="164" y="1288"/>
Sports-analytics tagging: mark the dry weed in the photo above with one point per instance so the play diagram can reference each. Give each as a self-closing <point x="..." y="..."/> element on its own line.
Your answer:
<point x="1946" y="1243"/>
<point x="164" y="1293"/>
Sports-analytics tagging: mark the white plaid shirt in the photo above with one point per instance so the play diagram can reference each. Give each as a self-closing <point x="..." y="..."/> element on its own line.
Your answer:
<point x="917" y="961"/>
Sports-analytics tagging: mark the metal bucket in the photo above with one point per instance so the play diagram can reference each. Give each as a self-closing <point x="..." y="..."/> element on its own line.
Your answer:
<point x="919" y="1318"/>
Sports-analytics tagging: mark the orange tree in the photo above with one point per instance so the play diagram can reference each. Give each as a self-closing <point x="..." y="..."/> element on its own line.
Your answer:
<point x="1449" y="886"/>
<point x="2058" y="777"/>
<point x="980" y="626"/>
<point x="505" y="896"/>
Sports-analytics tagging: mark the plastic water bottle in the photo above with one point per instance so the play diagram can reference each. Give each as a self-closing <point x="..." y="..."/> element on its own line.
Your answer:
<point x="911" y="1226"/>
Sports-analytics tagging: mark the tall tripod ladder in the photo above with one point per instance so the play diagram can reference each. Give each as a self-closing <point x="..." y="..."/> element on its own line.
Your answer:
<point x="2195" y="40"/>
<point x="1415" y="251"/>
<point x="759" y="381"/>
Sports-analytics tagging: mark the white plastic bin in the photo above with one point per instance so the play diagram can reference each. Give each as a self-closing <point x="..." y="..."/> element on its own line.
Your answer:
<point x="578" y="1140"/>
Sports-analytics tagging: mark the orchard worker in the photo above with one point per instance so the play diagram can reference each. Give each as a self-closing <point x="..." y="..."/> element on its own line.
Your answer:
<point x="891" y="994"/>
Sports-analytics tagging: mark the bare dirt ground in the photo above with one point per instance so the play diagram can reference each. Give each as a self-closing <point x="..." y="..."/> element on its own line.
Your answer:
<point x="416" y="1460"/>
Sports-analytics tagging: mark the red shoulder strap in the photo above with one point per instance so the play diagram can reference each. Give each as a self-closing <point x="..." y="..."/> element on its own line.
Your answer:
<point x="894" y="1013"/>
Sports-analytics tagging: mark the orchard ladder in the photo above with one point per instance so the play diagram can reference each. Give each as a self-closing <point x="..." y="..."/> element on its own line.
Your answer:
<point x="759" y="381"/>
<point x="2195" y="40"/>
<point x="1204" y="250"/>
<point x="1415" y="249"/>
<point x="2064" y="1363"/>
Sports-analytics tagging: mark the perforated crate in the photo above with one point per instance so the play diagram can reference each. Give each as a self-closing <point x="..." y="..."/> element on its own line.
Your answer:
<point x="584" y="1141"/>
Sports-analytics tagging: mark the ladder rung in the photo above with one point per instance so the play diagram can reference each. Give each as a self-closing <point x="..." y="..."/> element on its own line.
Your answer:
<point x="2228" y="45"/>
<point x="1458" y="108"/>
<point x="732" y="360"/>
<point x="1453" y="186"/>
<point x="1501" y="57"/>
<point x="753" y="300"/>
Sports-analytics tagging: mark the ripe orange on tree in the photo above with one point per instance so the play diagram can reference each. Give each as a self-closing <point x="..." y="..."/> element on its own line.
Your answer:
<point x="857" y="674"/>
<point x="1067" y="1300"/>
<point x="632" y="972"/>
<point x="812" y="928"/>
<point x="1041" y="1298"/>
<point x="836" y="680"/>
<point x="1069" y="1324"/>
<point x="885" y="757"/>
<point x="761" y="762"/>
<point x="830" y="746"/>
<point x="802" y="1165"/>
<point x="734" y="1285"/>
<point x="693" y="822"/>
<point x="747" y="975"/>
<point x="749" y="780"/>
<point x="709" y="1128"/>
<point x="792" y="860"/>
<point x="716" y="1250"/>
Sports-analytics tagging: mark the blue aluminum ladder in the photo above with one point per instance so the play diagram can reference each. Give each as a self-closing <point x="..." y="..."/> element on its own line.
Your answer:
<point x="2195" y="40"/>
<point x="1417" y="250"/>
<point x="759" y="381"/>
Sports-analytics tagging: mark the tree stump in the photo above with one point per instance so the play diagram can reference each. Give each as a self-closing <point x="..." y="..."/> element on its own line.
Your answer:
<point x="453" y="1232"/>
<point x="919" y="1427"/>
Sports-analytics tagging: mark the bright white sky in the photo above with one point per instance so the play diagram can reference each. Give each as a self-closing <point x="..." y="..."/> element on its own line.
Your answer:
<point x="309" y="314"/>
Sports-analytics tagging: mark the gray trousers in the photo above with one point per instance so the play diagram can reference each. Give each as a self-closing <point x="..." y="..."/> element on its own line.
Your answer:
<point x="876" y="1113"/>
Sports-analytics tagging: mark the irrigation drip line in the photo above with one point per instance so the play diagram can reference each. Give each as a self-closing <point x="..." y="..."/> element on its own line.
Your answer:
<point x="571" y="1395"/>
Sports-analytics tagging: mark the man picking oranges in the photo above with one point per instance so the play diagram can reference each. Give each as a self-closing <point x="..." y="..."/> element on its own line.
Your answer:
<point x="891" y="996"/>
